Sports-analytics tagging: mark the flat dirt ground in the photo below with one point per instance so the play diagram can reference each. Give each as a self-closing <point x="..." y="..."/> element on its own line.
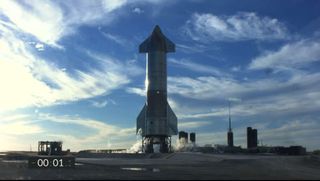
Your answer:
<point x="187" y="166"/>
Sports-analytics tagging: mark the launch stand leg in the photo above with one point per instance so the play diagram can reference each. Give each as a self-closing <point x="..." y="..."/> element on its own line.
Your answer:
<point x="169" y="143"/>
<point x="142" y="145"/>
<point x="147" y="145"/>
<point x="163" y="141"/>
<point x="163" y="145"/>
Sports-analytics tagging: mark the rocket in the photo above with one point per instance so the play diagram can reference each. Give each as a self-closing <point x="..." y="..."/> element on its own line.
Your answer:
<point x="156" y="122"/>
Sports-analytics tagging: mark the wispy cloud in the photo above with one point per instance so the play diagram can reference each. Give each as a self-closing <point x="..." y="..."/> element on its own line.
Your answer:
<point x="100" y="134"/>
<point x="198" y="48"/>
<point x="192" y="124"/>
<point x="103" y="134"/>
<point x="236" y="68"/>
<point x="117" y="39"/>
<point x="99" y="104"/>
<point x="49" y="21"/>
<point x="137" y="10"/>
<point x="291" y="55"/>
<point x="15" y="128"/>
<point x="42" y="20"/>
<point x="18" y="125"/>
<point x="124" y="67"/>
<point x="196" y="67"/>
<point x="103" y="103"/>
<point x="197" y="115"/>
<point x="234" y="99"/>
<point x="28" y="80"/>
<point x="136" y="90"/>
<point x="297" y="95"/>
<point x="20" y="128"/>
<point x="203" y="87"/>
<point x="38" y="46"/>
<point x="238" y="27"/>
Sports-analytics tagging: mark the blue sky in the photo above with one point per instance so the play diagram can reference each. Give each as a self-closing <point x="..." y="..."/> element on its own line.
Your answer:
<point x="72" y="72"/>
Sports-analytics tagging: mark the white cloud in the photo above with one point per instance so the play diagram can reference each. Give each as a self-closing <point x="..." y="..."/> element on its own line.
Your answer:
<point x="19" y="128"/>
<point x="104" y="103"/>
<point x="28" y="80"/>
<point x="49" y="21"/>
<point x="100" y="135"/>
<point x="99" y="104"/>
<point x="197" y="48"/>
<point x="137" y="10"/>
<point x="104" y="133"/>
<point x="234" y="99"/>
<point x="40" y="19"/>
<point x="17" y="125"/>
<point x="291" y="55"/>
<point x="209" y="87"/>
<point x="192" y="124"/>
<point x="238" y="27"/>
<point x="16" y="129"/>
<point x="295" y="132"/>
<point x="136" y="90"/>
<point x="197" y="115"/>
<point x="203" y="87"/>
<point x="119" y="40"/>
<point x="39" y="46"/>
<point x="298" y="95"/>
<point x="111" y="5"/>
<point x="197" y="67"/>
<point x="236" y="69"/>
<point x="124" y="67"/>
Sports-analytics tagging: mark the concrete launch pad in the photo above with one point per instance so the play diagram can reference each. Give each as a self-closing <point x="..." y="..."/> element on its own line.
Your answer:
<point x="193" y="166"/>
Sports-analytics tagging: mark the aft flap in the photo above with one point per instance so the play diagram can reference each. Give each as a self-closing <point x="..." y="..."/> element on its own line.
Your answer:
<point x="172" y="121"/>
<point x="141" y="121"/>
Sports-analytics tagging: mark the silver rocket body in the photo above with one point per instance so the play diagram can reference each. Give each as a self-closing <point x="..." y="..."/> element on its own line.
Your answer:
<point x="156" y="122"/>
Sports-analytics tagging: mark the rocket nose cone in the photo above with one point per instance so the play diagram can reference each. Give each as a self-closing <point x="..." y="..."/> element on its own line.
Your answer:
<point x="157" y="42"/>
<point x="157" y="36"/>
<point x="156" y="29"/>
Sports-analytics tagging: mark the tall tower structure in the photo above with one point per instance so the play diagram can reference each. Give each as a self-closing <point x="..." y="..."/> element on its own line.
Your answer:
<point x="230" y="133"/>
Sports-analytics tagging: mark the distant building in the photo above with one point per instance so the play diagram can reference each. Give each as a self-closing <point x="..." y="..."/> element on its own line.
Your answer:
<point x="183" y="136"/>
<point x="193" y="137"/>
<point x="252" y="138"/>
